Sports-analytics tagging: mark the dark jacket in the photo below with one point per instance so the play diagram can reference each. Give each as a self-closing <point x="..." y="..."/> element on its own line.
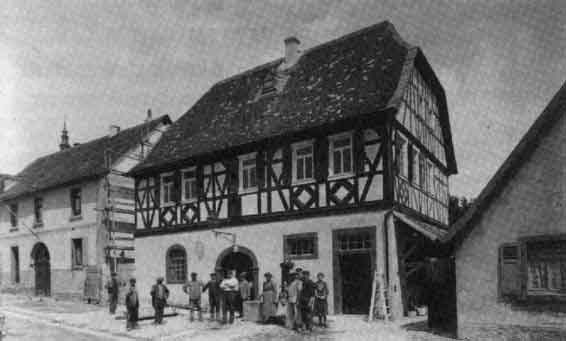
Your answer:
<point x="155" y="299"/>
<point x="113" y="287"/>
<point x="213" y="288"/>
<point x="307" y="292"/>
<point x="132" y="299"/>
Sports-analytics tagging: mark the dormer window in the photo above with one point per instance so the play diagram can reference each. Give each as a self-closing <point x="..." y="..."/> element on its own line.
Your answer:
<point x="248" y="172"/>
<point x="340" y="155"/>
<point x="269" y="84"/>
<point x="167" y="190"/>
<point x="303" y="161"/>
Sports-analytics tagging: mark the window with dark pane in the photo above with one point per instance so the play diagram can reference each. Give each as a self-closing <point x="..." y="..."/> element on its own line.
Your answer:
<point x="76" y="204"/>
<point x="301" y="246"/>
<point x="176" y="260"/>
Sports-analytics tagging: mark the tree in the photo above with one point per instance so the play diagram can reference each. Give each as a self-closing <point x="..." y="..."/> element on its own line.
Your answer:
<point x="457" y="206"/>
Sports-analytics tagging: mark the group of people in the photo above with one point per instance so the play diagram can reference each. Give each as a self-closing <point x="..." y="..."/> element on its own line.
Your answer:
<point x="296" y="304"/>
<point x="225" y="295"/>
<point x="159" y="294"/>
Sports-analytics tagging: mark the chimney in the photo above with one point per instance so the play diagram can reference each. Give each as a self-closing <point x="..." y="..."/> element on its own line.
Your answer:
<point x="148" y="118"/>
<point x="113" y="130"/>
<point x="292" y="52"/>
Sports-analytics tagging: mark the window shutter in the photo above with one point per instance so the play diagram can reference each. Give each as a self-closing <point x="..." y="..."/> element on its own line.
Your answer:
<point x="510" y="279"/>
<point x="358" y="151"/>
<point x="177" y="191"/>
<point x="287" y="165"/>
<point x="85" y="251"/>
<point x="157" y="191"/>
<point x="72" y="254"/>
<point x="260" y="169"/>
<point x="321" y="159"/>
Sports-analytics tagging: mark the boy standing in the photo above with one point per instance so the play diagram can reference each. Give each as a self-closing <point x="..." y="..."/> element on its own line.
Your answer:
<point x="159" y="295"/>
<point x="194" y="289"/>
<point x="245" y="292"/>
<point x="213" y="287"/>
<point x="132" y="305"/>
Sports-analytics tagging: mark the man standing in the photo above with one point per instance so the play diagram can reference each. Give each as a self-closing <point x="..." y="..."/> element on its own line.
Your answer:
<point x="132" y="305"/>
<point x="213" y="287"/>
<point x="113" y="288"/>
<point x="194" y="289"/>
<point x="230" y="289"/>
<point x="159" y="295"/>
<point x="245" y="292"/>
<point x="294" y="319"/>
<point x="306" y="300"/>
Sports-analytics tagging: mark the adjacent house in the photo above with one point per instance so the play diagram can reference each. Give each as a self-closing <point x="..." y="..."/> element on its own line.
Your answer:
<point x="335" y="160"/>
<point x="510" y="247"/>
<point x="67" y="221"/>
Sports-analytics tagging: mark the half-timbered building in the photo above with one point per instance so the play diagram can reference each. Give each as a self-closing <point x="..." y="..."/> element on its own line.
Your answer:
<point x="67" y="219"/>
<point x="335" y="160"/>
<point x="510" y="246"/>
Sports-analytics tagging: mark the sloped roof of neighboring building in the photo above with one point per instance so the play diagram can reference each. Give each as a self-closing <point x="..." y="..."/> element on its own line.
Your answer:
<point x="520" y="154"/>
<point x="361" y="73"/>
<point x="77" y="163"/>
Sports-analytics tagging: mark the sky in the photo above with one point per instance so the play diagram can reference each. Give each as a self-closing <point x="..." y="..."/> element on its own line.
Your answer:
<point x="97" y="63"/>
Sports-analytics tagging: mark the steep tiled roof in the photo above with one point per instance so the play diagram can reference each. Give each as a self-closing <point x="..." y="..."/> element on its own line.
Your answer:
<point x="520" y="154"/>
<point x="79" y="162"/>
<point x="357" y="74"/>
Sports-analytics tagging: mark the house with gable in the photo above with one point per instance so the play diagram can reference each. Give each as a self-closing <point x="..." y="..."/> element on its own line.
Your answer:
<point x="67" y="219"/>
<point x="510" y="246"/>
<point x="334" y="159"/>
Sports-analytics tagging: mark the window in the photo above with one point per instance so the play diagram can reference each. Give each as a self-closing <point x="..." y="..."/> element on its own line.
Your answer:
<point x="190" y="186"/>
<point x="422" y="171"/>
<point x="303" y="169"/>
<point x="341" y="154"/>
<point x="401" y="156"/>
<point x="15" y="271"/>
<point x="77" y="254"/>
<point x="248" y="172"/>
<point x="301" y="246"/>
<point x="13" y="215"/>
<point x="176" y="264"/>
<point x="429" y="177"/>
<point x="413" y="165"/>
<point x="360" y="240"/>
<point x="546" y="267"/>
<point x="38" y="210"/>
<point x="543" y="258"/>
<point x="167" y="189"/>
<point x="76" y="204"/>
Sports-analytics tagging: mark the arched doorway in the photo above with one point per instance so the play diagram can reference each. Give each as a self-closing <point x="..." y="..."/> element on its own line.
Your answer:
<point x="242" y="260"/>
<point x="40" y="256"/>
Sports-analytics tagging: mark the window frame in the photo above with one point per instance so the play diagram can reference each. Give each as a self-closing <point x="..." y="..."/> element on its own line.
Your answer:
<point x="72" y="194"/>
<point x="184" y="179"/>
<point x="300" y="236"/>
<point x="242" y="159"/>
<point x="332" y="149"/>
<point x="38" y="211"/>
<point x="401" y="156"/>
<point x="171" y="189"/>
<point x="168" y="263"/>
<point x="295" y="147"/>
<point x="542" y="293"/>
<point x="74" y="264"/>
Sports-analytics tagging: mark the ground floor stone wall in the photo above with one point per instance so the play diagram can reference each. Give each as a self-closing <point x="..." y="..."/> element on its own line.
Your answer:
<point x="265" y="241"/>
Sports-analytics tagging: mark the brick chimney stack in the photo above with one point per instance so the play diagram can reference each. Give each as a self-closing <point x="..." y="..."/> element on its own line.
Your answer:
<point x="292" y="52"/>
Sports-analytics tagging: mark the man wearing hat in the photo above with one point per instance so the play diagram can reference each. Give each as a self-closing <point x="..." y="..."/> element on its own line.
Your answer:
<point x="214" y="296"/>
<point x="159" y="295"/>
<point x="268" y="298"/>
<point x="306" y="300"/>
<point x="113" y="288"/>
<point x="132" y="305"/>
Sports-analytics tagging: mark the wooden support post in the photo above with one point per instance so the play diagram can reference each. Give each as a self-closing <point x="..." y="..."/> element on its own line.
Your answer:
<point x="394" y="285"/>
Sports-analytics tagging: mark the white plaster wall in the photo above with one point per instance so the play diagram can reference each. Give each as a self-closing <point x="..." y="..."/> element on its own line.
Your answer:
<point x="264" y="240"/>
<point x="533" y="203"/>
